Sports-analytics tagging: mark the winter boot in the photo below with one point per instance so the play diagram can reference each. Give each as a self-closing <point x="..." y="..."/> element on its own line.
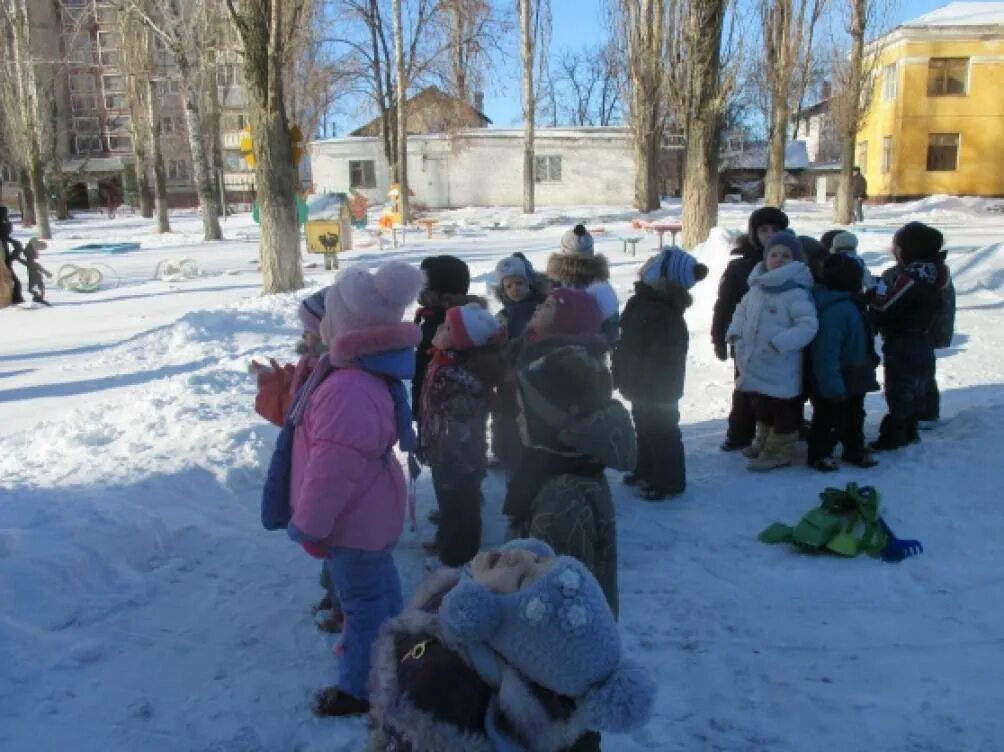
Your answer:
<point x="893" y="434"/>
<point x="777" y="452"/>
<point x="334" y="702"/>
<point x="759" y="441"/>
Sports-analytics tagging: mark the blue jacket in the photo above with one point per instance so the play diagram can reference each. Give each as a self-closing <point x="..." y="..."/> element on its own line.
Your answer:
<point x="843" y="352"/>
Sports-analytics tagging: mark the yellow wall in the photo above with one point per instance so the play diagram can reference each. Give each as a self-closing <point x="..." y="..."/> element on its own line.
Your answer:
<point x="978" y="118"/>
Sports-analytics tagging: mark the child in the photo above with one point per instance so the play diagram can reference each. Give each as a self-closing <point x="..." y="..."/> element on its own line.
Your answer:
<point x="347" y="490"/>
<point x="843" y="367"/>
<point x="815" y="254"/>
<point x="28" y="255"/>
<point x="447" y="280"/>
<point x="942" y="330"/>
<point x="517" y="652"/>
<point x="847" y="244"/>
<point x="571" y="429"/>
<point x="466" y="366"/>
<point x="763" y="223"/>
<point x="520" y="290"/>
<point x="577" y="266"/>
<point x="906" y="311"/>
<point x="278" y="384"/>
<point x="649" y="366"/>
<point x="772" y="324"/>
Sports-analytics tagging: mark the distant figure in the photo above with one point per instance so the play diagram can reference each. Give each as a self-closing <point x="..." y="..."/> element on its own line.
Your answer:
<point x="859" y="190"/>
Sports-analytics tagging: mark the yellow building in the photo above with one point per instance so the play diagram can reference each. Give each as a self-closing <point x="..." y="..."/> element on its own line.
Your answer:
<point x="935" y="123"/>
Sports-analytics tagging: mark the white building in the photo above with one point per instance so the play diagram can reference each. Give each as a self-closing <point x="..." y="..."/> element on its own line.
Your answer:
<point x="484" y="167"/>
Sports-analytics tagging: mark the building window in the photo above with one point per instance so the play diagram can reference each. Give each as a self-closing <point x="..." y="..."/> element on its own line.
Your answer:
<point x="886" y="154"/>
<point x="81" y="104"/>
<point x="889" y="82"/>
<point x="111" y="58"/>
<point x="547" y="169"/>
<point x="85" y="125"/>
<point x="107" y="15"/>
<point x="115" y="102"/>
<point x="82" y="82"/>
<point x="362" y="174"/>
<point x="862" y="160"/>
<point x="113" y="84"/>
<point x="942" y="152"/>
<point x="234" y="121"/>
<point x="109" y="40"/>
<point x="226" y="75"/>
<point x="177" y="169"/>
<point x="119" y="143"/>
<point x="947" y="76"/>
<point x="169" y="125"/>
<point x="87" y="144"/>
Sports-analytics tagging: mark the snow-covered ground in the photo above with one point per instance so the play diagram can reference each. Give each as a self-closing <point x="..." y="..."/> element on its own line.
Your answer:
<point x="143" y="608"/>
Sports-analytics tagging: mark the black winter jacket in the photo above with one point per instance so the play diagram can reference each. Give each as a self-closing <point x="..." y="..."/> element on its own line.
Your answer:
<point x="650" y="360"/>
<point x="733" y="286"/>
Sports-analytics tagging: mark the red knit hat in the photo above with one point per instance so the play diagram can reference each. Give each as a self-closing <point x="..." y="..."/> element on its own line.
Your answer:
<point x="576" y="312"/>
<point x="472" y="326"/>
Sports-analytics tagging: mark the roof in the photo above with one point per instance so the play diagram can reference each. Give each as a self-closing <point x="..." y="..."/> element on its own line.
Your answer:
<point x="431" y="96"/>
<point x="961" y="14"/>
<point x="97" y="164"/>
<point x="754" y="157"/>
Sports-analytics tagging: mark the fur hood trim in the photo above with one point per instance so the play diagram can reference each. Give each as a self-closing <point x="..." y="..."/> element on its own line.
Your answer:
<point x="347" y="348"/>
<point x="577" y="271"/>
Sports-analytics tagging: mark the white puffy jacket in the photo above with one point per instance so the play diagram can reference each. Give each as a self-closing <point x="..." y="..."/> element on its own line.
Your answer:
<point x="772" y="324"/>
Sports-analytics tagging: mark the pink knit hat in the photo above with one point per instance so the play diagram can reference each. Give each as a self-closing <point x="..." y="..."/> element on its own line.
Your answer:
<point x="360" y="300"/>
<point x="577" y="312"/>
<point x="471" y="326"/>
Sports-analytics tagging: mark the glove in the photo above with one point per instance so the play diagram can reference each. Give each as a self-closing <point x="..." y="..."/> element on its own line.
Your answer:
<point x="721" y="351"/>
<point x="317" y="550"/>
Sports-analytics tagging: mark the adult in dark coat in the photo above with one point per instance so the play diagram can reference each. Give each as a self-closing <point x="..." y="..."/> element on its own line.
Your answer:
<point x="649" y="368"/>
<point x="859" y="190"/>
<point x="10" y="285"/>
<point x="731" y="289"/>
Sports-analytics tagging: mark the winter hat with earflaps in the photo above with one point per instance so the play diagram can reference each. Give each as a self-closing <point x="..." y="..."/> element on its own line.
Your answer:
<point x="789" y="241"/>
<point x="516" y="265"/>
<point x="560" y="634"/>
<point x="472" y="326"/>
<point x="446" y="274"/>
<point x="844" y="242"/>
<point x="311" y="311"/>
<point x="918" y="243"/>
<point x="765" y="215"/>
<point x="674" y="265"/>
<point x="577" y="242"/>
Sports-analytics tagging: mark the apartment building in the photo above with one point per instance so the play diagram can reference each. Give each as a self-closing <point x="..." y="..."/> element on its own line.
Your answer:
<point x="79" y="43"/>
<point x="937" y="113"/>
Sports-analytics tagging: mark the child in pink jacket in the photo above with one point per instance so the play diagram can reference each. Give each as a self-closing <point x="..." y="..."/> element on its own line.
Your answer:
<point x="347" y="488"/>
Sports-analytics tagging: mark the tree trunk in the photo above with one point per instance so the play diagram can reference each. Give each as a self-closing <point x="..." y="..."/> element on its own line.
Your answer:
<point x="27" y="198"/>
<point x="849" y="114"/>
<point x="41" y="195"/>
<point x="261" y="28"/>
<point x="702" y="132"/>
<point x="157" y="161"/>
<point x="200" y="161"/>
<point x="143" y="185"/>
<point x="529" y="107"/>
<point x="776" y="138"/>
<point x="402" y="119"/>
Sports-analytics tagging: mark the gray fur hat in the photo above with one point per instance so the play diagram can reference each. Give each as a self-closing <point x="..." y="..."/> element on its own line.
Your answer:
<point x="577" y="242"/>
<point x="514" y="266"/>
<point x="846" y="242"/>
<point x="559" y="633"/>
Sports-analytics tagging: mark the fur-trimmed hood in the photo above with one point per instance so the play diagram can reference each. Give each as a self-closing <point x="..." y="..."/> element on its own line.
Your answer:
<point x="348" y="347"/>
<point x="577" y="271"/>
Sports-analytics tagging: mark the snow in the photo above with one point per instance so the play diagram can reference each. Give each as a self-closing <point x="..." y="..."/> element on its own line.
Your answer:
<point x="962" y="14"/>
<point x="142" y="606"/>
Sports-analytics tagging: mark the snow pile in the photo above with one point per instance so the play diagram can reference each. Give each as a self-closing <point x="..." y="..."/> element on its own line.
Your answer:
<point x="981" y="270"/>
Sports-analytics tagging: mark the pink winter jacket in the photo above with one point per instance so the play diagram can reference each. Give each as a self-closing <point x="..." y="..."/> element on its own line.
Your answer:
<point x="347" y="487"/>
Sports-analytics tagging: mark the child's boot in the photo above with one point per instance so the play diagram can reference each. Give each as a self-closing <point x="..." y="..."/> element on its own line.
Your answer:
<point x="759" y="441"/>
<point x="777" y="452"/>
<point x="893" y="434"/>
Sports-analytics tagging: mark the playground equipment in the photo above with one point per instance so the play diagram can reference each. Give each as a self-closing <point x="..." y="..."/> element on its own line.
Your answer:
<point x="105" y="248"/>
<point x="84" y="278"/>
<point x="328" y="228"/>
<point x="176" y="271"/>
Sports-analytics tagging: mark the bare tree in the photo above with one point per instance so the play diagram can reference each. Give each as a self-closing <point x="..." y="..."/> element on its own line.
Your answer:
<point x="26" y="99"/>
<point x="854" y="75"/>
<point x="589" y="84"/>
<point x="177" y="26"/>
<point x="402" y="116"/>
<point x="698" y="95"/>
<point x="786" y="26"/>
<point x="137" y="70"/>
<point x="527" y="29"/>
<point x="647" y="25"/>
<point x="266" y="29"/>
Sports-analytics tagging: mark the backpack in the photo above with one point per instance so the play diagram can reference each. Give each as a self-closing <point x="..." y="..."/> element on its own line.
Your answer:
<point x="276" y="509"/>
<point x="845" y="523"/>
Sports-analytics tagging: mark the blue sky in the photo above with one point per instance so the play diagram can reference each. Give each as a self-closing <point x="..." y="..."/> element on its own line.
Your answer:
<point x="581" y="23"/>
